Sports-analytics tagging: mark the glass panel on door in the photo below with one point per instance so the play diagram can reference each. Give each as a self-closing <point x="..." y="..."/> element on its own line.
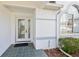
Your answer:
<point x="21" y="28"/>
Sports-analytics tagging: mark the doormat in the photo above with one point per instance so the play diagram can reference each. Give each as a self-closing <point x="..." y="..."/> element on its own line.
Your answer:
<point x="21" y="45"/>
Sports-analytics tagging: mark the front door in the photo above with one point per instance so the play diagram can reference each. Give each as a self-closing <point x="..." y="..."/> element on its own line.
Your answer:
<point x="22" y="29"/>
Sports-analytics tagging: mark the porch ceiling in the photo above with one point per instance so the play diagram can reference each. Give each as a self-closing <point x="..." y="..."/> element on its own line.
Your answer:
<point x="20" y="9"/>
<point x="33" y="4"/>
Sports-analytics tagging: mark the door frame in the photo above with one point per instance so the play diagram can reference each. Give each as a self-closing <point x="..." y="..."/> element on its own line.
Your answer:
<point x="16" y="27"/>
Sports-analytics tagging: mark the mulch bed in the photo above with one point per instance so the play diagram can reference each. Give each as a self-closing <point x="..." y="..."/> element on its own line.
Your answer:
<point x="54" y="53"/>
<point x="76" y="54"/>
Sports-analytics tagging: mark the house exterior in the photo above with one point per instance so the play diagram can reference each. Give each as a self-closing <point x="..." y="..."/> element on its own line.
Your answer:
<point x="30" y="22"/>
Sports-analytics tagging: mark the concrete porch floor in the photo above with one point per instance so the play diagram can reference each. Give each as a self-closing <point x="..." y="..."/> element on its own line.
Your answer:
<point x="24" y="51"/>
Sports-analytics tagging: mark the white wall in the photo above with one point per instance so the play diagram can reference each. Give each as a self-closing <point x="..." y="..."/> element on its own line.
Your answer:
<point x="5" y="39"/>
<point x="45" y="23"/>
<point x="45" y="29"/>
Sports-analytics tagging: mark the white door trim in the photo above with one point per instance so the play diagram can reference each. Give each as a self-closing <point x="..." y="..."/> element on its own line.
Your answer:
<point x="26" y="35"/>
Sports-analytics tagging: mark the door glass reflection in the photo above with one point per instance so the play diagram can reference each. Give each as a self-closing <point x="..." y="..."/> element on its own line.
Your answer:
<point x="21" y="28"/>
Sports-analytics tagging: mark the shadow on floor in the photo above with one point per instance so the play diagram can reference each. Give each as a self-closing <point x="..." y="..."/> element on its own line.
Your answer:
<point x="23" y="51"/>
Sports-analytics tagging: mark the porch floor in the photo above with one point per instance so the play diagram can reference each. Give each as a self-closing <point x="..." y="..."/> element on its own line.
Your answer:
<point x="23" y="51"/>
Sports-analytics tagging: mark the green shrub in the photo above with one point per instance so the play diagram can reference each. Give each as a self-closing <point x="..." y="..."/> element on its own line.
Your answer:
<point x="69" y="45"/>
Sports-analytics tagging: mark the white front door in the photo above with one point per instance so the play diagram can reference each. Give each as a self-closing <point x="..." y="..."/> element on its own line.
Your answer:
<point x="22" y="29"/>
